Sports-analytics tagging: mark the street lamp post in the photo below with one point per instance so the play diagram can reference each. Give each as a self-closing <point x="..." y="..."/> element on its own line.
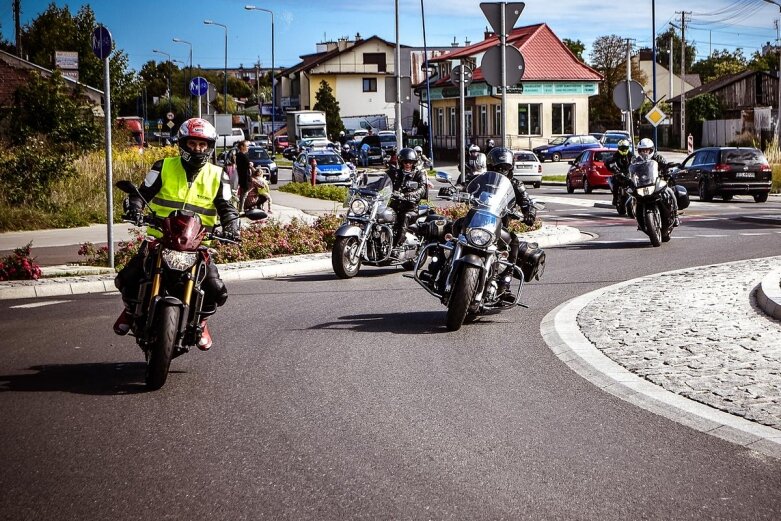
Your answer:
<point x="167" y="77"/>
<point x="778" y="46"/>
<point x="225" y="70"/>
<point x="189" y="74"/>
<point x="273" y="93"/>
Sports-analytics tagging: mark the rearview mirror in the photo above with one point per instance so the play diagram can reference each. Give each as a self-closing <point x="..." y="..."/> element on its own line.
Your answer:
<point x="443" y="177"/>
<point x="255" y="214"/>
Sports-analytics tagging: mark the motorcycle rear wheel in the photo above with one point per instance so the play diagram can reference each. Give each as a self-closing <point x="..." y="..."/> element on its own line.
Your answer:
<point x="653" y="227"/>
<point x="161" y="351"/>
<point x="344" y="247"/>
<point x="461" y="297"/>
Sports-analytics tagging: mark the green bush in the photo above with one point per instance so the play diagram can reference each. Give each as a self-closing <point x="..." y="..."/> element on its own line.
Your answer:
<point x="27" y="177"/>
<point x="327" y="192"/>
<point x="776" y="187"/>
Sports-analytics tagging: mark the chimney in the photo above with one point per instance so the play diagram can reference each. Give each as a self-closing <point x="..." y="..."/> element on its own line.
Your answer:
<point x="455" y="43"/>
<point x="467" y="43"/>
<point x="488" y="34"/>
<point x="358" y="37"/>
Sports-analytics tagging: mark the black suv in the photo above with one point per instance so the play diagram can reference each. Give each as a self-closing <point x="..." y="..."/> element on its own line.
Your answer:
<point x="724" y="172"/>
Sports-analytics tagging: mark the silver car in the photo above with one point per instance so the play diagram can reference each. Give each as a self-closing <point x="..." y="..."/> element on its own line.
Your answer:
<point x="527" y="167"/>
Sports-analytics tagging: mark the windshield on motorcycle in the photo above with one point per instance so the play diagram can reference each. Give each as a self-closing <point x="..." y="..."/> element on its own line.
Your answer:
<point x="492" y="195"/>
<point x="645" y="173"/>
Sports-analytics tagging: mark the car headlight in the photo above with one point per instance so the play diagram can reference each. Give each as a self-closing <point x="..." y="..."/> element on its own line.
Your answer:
<point x="480" y="237"/>
<point x="359" y="207"/>
<point x="645" y="191"/>
<point x="179" y="260"/>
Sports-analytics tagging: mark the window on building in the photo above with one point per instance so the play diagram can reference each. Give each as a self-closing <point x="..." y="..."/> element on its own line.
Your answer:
<point x="468" y="123"/>
<point x="375" y="58"/>
<point x="497" y="113"/>
<point x="529" y="119"/>
<point x="563" y="118"/>
<point x="441" y="122"/>
<point x="370" y="85"/>
<point x="483" y="120"/>
<point x="452" y="117"/>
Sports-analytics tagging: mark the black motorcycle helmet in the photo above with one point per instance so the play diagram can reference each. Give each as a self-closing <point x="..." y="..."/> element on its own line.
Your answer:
<point x="500" y="160"/>
<point x="407" y="156"/>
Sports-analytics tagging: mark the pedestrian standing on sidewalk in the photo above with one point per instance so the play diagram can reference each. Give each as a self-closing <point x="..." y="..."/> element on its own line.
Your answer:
<point x="244" y="170"/>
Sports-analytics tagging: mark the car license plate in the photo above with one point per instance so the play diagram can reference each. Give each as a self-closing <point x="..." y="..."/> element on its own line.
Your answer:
<point x="524" y="167"/>
<point x="749" y="175"/>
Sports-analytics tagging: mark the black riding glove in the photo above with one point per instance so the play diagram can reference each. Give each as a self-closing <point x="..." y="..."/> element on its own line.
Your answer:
<point x="530" y="216"/>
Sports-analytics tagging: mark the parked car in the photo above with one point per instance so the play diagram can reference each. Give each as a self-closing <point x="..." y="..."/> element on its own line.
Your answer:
<point x="388" y="141"/>
<point x="281" y="143"/>
<point x="261" y="140"/>
<point x="610" y="140"/>
<point x="376" y="153"/>
<point x="314" y="143"/>
<point x="527" y="167"/>
<point x="597" y="135"/>
<point x="230" y="140"/>
<point x="331" y="168"/>
<point x="260" y="157"/>
<point x="290" y="153"/>
<point x="725" y="172"/>
<point x="563" y="147"/>
<point x="588" y="170"/>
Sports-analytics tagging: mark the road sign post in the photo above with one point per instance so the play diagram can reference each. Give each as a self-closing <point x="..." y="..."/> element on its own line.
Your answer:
<point x="462" y="77"/>
<point x="198" y="87"/>
<point x="502" y="17"/>
<point x="101" y="46"/>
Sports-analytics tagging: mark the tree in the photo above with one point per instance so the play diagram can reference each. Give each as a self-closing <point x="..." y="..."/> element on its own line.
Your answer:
<point x="719" y="64"/>
<point x="663" y="50"/>
<point x="576" y="47"/>
<point x="767" y="62"/>
<point x="608" y="56"/>
<point x="57" y="30"/>
<point x="326" y="102"/>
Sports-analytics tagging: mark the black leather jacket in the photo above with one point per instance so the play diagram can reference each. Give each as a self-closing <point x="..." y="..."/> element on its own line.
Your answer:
<point x="619" y="163"/>
<point x="399" y="178"/>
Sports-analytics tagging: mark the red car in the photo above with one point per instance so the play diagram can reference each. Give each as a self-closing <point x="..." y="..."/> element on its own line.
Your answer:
<point x="280" y="144"/>
<point x="588" y="170"/>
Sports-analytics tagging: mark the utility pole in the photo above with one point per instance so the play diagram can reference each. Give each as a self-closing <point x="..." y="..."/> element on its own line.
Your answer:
<point x="18" y="26"/>
<point x="653" y="45"/>
<point x="778" y="48"/>
<point x="670" y="70"/>
<point x="629" y="122"/>
<point x="683" y="73"/>
<point x="397" y="66"/>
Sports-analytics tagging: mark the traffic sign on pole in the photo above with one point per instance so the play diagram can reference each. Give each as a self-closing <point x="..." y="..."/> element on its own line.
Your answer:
<point x="199" y="86"/>
<point x="493" y="13"/>
<point x="492" y="65"/>
<point x="636" y="95"/>
<point x="455" y="75"/>
<point x="101" y="42"/>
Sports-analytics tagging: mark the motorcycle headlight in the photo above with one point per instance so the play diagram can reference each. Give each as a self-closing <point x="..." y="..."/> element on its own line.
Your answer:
<point x="179" y="260"/>
<point x="480" y="237"/>
<point x="645" y="191"/>
<point x="358" y="207"/>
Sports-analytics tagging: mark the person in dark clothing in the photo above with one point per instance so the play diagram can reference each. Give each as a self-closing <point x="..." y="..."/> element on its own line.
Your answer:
<point x="243" y="170"/>
<point x="408" y="198"/>
<point x="619" y="165"/>
<point x="186" y="182"/>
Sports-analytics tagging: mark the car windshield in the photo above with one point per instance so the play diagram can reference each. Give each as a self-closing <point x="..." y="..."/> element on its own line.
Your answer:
<point x="387" y="138"/>
<point x="612" y="139"/>
<point x="558" y="140"/>
<point x="603" y="157"/>
<point x="526" y="156"/>
<point x="743" y="157"/>
<point x="327" y="159"/>
<point x="313" y="132"/>
<point x="257" y="153"/>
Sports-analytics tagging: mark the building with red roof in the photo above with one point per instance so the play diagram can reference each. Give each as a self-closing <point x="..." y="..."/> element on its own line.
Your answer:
<point x="551" y="99"/>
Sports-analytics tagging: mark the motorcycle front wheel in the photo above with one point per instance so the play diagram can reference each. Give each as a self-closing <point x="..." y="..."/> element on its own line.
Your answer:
<point x="345" y="250"/>
<point x="653" y="227"/>
<point x="461" y="297"/>
<point x="159" y="358"/>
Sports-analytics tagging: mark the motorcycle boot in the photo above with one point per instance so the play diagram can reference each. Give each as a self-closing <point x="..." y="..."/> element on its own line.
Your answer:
<point x="123" y="323"/>
<point x="205" y="342"/>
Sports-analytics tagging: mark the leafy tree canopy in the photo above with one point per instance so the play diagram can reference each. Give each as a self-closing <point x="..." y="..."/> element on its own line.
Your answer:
<point x="576" y="47"/>
<point x="608" y="56"/>
<point x="719" y="64"/>
<point x="663" y="50"/>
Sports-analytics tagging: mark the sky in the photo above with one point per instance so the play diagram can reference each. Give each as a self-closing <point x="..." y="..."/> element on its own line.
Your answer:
<point x="139" y="26"/>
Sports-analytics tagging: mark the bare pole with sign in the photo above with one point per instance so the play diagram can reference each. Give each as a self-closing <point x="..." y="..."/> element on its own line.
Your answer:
<point x="462" y="120"/>
<point x="503" y="42"/>
<point x="629" y="122"/>
<point x="101" y="46"/>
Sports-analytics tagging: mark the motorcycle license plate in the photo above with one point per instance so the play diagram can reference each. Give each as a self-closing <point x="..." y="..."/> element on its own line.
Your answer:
<point x="748" y="175"/>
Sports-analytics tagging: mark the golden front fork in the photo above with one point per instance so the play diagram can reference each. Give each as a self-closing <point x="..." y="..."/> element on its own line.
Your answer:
<point x="156" y="278"/>
<point x="188" y="289"/>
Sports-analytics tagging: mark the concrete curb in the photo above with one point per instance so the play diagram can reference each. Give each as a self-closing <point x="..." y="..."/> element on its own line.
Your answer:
<point x="769" y="294"/>
<point x="546" y="237"/>
<point x="561" y="332"/>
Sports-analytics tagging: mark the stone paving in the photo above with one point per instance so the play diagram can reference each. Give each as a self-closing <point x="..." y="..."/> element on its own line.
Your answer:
<point x="714" y="346"/>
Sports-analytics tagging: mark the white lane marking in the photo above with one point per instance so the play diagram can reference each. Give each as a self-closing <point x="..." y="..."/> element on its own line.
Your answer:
<point x="39" y="304"/>
<point x="712" y="235"/>
<point x="752" y="234"/>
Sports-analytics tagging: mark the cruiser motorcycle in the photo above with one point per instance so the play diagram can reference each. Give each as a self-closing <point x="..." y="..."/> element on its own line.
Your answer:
<point x="367" y="235"/>
<point x="650" y="202"/>
<point x="168" y="310"/>
<point x="463" y="263"/>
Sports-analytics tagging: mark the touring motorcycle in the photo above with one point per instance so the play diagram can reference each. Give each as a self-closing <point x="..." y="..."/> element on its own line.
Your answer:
<point x="367" y="235"/>
<point x="168" y="310"/>
<point x="650" y="202"/>
<point x="464" y="263"/>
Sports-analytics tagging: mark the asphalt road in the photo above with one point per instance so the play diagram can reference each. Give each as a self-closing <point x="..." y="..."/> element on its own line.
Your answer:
<point x="331" y="399"/>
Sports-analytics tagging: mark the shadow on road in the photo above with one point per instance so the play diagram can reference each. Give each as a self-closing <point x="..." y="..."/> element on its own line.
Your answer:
<point x="97" y="379"/>
<point x="425" y="322"/>
<point x="595" y="245"/>
<point x="365" y="273"/>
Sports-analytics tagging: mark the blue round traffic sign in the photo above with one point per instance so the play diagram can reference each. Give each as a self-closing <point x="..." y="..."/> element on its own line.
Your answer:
<point x="101" y="42"/>
<point x="199" y="86"/>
